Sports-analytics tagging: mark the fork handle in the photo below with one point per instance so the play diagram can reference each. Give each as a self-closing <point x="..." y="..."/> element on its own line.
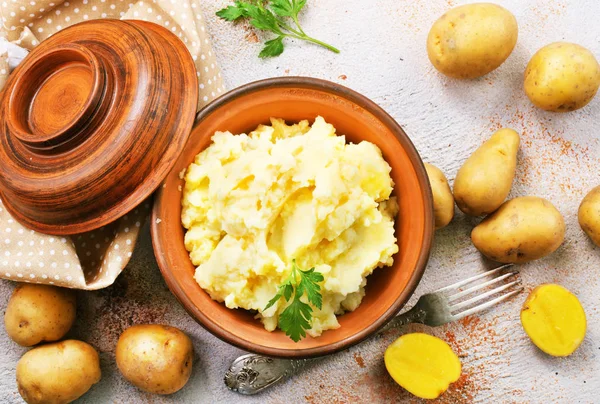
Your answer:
<point x="250" y="374"/>
<point x="414" y="315"/>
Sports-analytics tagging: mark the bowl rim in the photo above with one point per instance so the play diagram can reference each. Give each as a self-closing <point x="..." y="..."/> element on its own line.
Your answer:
<point x="401" y="300"/>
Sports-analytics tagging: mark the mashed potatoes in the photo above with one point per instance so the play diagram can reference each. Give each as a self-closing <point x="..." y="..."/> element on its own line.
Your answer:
<point x="253" y="203"/>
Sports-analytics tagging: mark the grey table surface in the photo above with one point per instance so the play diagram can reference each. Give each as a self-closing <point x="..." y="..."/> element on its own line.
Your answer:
<point x="384" y="57"/>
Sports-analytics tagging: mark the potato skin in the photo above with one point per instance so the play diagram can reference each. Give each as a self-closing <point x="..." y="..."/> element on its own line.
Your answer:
<point x="58" y="373"/>
<point x="155" y="358"/>
<point x="562" y="77"/>
<point x="521" y="230"/>
<point x="37" y="313"/>
<point x="484" y="180"/>
<point x="589" y="215"/>
<point x="470" y="41"/>
<point x="443" y="202"/>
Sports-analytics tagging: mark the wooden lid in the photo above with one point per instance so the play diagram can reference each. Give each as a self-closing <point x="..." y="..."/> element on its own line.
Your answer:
<point x="92" y="121"/>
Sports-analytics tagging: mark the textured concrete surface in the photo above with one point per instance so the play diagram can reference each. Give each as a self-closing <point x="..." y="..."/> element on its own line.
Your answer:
<point x="383" y="56"/>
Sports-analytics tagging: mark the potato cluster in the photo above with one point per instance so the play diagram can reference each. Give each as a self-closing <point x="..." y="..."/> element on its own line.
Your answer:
<point x="472" y="40"/>
<point x="58" y="372"/>
<point x="154" y="358"/>
<point x="516" y="231"/>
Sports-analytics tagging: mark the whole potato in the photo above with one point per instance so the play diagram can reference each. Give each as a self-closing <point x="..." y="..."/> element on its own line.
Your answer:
<point x="472" y="40"/>
<point x="155" y="358"/>
<point x="523" y="229"/>
<point x="589" y="215"/>
<point x="562" y="77"/>
<point x="484" y="180"/>
<point x="443" y="202"/>
<point x="58" y="373"/>
<point x="37" y="313"/>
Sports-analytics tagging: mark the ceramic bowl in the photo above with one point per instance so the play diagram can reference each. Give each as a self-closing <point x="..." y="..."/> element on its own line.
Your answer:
<point x="353" y="115"/>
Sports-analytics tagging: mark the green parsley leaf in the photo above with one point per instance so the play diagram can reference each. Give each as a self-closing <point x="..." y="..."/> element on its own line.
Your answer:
<point x="272" y="48"/>
<point x="309" y="285"/>
<point x="231" y="13"/>
<point x="274" y="300"/>
<point x="285" y="291"/>
<point x="262" y="18"/>
<point x="295" y="319"/>
<point x="298" y="5"/>
<point x="277" y="16"/>
<point x="283" y="8"/>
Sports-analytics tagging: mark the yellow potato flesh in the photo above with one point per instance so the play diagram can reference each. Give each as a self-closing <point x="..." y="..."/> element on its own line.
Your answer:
<point x="554" y="320"/>
<point x="422" y="364"/>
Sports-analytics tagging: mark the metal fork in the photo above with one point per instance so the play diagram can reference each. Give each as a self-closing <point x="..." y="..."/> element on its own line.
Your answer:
<point x="251" y="374"/>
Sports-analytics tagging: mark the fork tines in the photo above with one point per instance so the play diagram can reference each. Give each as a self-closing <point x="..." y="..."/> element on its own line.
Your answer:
<point x="490" y="291"/>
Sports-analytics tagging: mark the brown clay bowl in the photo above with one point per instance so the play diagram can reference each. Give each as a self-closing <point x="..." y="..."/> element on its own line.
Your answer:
<point x="294" y="99"/>
<point x="91" y="122"/>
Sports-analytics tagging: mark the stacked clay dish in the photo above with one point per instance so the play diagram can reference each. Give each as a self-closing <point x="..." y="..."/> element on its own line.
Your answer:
<point x="86" y="110"/>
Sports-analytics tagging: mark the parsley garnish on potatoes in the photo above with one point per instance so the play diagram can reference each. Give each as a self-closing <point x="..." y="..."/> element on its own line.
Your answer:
<point x="296" y="317"/>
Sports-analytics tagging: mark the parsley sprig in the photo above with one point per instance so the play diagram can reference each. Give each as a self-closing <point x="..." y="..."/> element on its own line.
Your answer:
<point x="272" y="16"/>
<point x="296" y="318"/>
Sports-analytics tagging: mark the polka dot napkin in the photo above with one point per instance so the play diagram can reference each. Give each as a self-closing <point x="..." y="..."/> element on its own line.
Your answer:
<point x="91" y="260"/>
